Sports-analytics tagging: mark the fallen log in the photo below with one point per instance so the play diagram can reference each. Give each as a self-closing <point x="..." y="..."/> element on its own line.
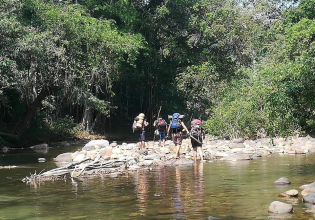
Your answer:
<point x="72" y="169"/>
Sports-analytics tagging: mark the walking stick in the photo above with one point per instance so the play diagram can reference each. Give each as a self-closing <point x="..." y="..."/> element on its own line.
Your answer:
<point x="157" y="118"/>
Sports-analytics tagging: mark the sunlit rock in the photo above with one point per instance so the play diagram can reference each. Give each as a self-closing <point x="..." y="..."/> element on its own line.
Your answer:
<point x="65" y="157"/>
<point x="280" y="207"/>
<point x="79" y="157"/>
<point x="114" y="156"/>
<point x="91" y="145"/>
<point x="290" y="193"/>
<point x="91" y="154"/>
<point x="106" y="151"/>
<point x="165" y="150"/>
<point x="221" y="154"/>
<point x="116" y="151"/>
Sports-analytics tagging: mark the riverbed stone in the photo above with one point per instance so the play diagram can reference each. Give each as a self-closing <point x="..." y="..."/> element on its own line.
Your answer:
<point x="309" y="198"/>
<point x="91" y="154"/>
<point x="106" y="151"/>
<point x="65" y="157"/>
<point x="91" y="145"/>
<point x="238" y="140"/>
<point x="151" y="157"/>
<point x="173" y="149"/>
<point x="282" y="181"/>
<point x="114" y="156"/>
<point x="280" y="207"/>
<point x="309" y="189"/>
<point x="292" y="193"/>
<point x="221" y="154"/>
<point x="165" y="150"/>
<point x="116" y="151"/>
<point x="236" y="145"/>
<point x="79" y="157"/>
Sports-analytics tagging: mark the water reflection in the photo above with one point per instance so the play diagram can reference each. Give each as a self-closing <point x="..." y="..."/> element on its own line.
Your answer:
<point x="142" y="187"/>
<point x="176" y="197"/>
<point x="199" y="190"/>
<point x="239" y="190"/>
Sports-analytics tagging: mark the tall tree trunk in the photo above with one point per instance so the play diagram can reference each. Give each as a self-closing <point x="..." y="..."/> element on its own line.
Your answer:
<point x="24" y="124"/>
<point x="88" y="118"/>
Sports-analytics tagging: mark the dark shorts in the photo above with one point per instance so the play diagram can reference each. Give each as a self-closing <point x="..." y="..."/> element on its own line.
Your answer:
<point x="177" y="138"/>
<point x="161" y="135"/>
<point x="195" y="143"/>
<point x="141" y="135"/>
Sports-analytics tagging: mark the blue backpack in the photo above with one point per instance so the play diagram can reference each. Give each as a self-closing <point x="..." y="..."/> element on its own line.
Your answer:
<point x="176" y="121"/>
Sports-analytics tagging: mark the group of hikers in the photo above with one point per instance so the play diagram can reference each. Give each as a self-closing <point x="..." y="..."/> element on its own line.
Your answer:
<point x="176" y="127"/>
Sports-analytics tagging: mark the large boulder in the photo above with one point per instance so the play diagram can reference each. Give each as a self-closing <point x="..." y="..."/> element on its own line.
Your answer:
<point x="309" y="189"/>
<point x="65" y="157"/>
<point x="280" y="207"/>
<point x="309" y="198"/>
<point x="95" y="144"/>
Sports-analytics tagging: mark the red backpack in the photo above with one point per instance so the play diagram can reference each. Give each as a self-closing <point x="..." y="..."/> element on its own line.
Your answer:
<point x="161" y="124"/>
<point x="196" y="127"/>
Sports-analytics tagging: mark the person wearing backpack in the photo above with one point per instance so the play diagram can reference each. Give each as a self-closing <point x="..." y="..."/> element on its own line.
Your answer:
<point x="196" y="134"/>
<point x="177" y="127"/>
<point x="140" y="123"/>
<point x="161" y="126"/>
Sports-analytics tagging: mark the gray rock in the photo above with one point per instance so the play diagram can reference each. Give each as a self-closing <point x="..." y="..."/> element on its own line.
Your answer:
<point x="309" y="189"/>
<point x="238" y="140"/>
<point x="91" y="145"/>
<point x="309" y="198"/>
<point x="40" y="146"/>
<point x="152" y="157"/>
<point x="280" y="207"/>
<point x="282" y="181"/>
<point x="65" y="157"/>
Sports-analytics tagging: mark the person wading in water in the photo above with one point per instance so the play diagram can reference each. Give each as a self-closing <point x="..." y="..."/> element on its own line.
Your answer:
<point x="177" y="127"/>
<point x="140" y="124"/>
<point x="161" y="126"/>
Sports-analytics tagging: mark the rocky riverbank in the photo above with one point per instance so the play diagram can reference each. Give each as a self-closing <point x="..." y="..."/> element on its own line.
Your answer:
<point x="214" y="149"/>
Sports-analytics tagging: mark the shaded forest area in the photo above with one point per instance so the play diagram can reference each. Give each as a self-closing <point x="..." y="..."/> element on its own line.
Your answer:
<point x="90" y="66"/>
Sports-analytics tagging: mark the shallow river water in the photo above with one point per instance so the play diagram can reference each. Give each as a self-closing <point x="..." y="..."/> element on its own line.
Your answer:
<point x="224" y="190"/>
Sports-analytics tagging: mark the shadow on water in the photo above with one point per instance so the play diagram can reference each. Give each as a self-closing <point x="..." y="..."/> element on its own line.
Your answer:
<point x="224" y="190"/>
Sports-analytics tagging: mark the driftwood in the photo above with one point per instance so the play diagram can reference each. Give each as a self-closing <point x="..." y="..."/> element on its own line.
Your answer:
<point x="75" y="169"/>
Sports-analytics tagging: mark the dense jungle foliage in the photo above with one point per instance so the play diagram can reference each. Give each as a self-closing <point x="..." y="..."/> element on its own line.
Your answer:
<point x="245" y="67"/>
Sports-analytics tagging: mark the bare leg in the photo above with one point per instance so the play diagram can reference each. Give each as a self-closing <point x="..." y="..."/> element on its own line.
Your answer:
<point x="163" y="142"/>
<point x="178" y="149"/>
<point x="200" y="153"/>
<point x="159" y="143"/>
<point x="143" y="144"/>
<point x="195" y="153"/>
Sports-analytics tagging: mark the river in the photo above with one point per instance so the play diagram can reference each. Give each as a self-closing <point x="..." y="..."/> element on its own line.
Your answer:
<point x="225" y="190"/>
